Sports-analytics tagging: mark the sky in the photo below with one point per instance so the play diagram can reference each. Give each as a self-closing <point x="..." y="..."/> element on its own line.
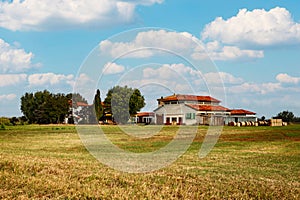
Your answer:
<point x="245" y="53"/>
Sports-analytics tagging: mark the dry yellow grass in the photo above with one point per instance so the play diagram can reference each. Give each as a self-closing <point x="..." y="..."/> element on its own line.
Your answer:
<point x="41" y="162"/>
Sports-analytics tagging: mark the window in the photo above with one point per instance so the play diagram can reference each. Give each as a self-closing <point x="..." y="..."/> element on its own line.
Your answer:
<point x="190" y="115"/>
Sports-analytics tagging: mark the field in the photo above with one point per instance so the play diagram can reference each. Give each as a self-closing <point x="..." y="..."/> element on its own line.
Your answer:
<point x="41" y="162"/>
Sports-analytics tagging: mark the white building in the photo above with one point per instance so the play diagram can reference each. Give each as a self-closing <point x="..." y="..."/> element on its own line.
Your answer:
<point x="144" y="117"/>
<point x="180" y="109"/>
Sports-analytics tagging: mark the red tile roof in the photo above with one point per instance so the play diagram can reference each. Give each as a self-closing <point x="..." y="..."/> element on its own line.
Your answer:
<point x="82" y="104"/>
<point x="145" y="114"/>
<point x="208" y="107"/>
<point x="78" y="103"/>
<point x="181" y="97"/>
<point x="241" y="112"/>
<point x="220" y="108"/>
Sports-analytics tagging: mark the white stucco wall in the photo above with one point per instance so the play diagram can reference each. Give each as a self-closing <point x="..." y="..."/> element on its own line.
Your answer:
<point x="176" y="111"/>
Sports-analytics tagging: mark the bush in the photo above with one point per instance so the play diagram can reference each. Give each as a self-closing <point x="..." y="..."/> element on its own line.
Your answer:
<point x="2" y="127"/>
<point x="5" y="121"/>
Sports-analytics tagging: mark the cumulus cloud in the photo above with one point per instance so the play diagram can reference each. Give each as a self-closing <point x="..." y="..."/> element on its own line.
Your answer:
<point x="61" y="14"/>
<point x="12" y="79"/>
<point x="256" y="88"/>
<point x="167" y="77"/>
<point x="258" y="27"/>
<point x="285" y="78"/>
<point x="149" y="43"/>
<point x="285" y="84"/>
<point x="85" y="85"/>
<point x="175" y="71"/>
<point x="14" y="59"/>
<point x="186" y="79"/>
<point x="216" y="51"/>
<point x="171" y="72"/>
<point x="155" y="42"/>
<point x="49" y="79"/>
<point x="232" y="53"/>
<point x="222" y="77"/>
<point x="112" y="68"/>
<point x="7" y="97"/>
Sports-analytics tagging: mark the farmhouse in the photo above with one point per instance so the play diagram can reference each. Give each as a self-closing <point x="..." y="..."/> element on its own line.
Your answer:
<point x="144" y="117"/>
<point x="240" y="115"/>
<point x="180" y="109"/>
<point x="77" y="112"/>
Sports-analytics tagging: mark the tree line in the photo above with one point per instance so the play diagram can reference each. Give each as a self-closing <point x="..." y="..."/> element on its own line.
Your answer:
<point x="44" y="107"/>
<point x="287" y="116"/>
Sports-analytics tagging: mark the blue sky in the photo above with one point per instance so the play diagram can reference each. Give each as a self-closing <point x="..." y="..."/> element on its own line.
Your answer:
<point x="252" y="46"/>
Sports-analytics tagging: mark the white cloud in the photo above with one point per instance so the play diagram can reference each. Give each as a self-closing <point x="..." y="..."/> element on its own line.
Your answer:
<point x="129" y="50"/>
<point x="166" y="40"/>
<point x="257" y="88"/>
<point x="160" y="86"/>
<point x="232" y="53"/>
<point x="7" y="97"/>
<point x="258" y="27"/>
<point x="217" y="51"/>
<point x="13" y="59"/>
<point x="180" y="71"/>
<point x="85" y="85"/>
<point x="165" y="78"/>
<point x="222" y="77"/>
<point x="62" y="14"/>
<point x="49" y="79"/>
<point x="149" y="43"/>
<point x="112" y="68"/>
<point x="84" y="78"/>
<point x="285" y="78"/>
<point x="171" y="71"/>
<point x="145" y="2"/>
<point x="12" y="79"/>
<point x="157" y="42"/>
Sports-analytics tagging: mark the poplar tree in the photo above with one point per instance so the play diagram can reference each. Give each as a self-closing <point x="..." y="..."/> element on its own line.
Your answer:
<point x="97" y="105"/>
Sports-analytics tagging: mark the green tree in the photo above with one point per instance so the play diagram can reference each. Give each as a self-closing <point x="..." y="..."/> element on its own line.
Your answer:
<point x="97" y="105"/>
<point x="296" y="119"/>
<point x="14" y="121"/>
<point x="286" y="116"/>
<point x="44" y="107"/>
<point x="123" y="102"/>
<point x="28" y="106"/>
<point x="61" y="108"/>
<point x="136" y="102"/>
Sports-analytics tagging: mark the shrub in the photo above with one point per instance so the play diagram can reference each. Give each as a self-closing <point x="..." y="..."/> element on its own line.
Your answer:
<point x="2" y="127"/>
<point x="4" y="121"/>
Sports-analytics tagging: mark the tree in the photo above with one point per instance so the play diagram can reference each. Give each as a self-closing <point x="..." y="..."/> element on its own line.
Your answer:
<point x="296" y="119"/>
<point x="97" y="105"/>
<point x="286" y="116"/>
<point x="136" y="102"/>
<point x="27" y="107"/>
<point x="44" y="107"/>
<point x="61" y="107"/>
<point x="14" y="121"/>
<point x="34" y="106"/>
<point x="123" y="102"/>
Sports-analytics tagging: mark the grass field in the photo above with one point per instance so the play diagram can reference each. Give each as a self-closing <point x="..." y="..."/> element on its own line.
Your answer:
<point x="39" y="162"/>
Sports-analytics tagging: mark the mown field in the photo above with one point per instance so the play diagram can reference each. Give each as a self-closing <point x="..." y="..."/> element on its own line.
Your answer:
<point x="41" y="162"/>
